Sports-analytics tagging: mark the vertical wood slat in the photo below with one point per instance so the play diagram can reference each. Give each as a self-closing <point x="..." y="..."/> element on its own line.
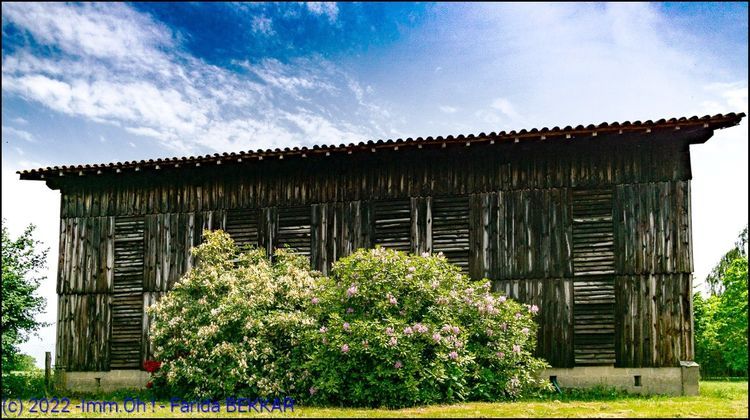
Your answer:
<point x="654" y="320"/>
<point x="652" y="228"/>
<point x="83" y="332"/>
<point x="554" y="297"/>
<point x="149" y="299"/>
<point x="421" y="224"/>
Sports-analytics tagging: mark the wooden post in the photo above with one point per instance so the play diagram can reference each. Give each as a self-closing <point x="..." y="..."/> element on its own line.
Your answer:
<point x="47" y="369"/>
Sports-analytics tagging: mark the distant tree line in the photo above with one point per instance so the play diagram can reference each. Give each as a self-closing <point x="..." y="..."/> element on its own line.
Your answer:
<point x="721" y="317"/>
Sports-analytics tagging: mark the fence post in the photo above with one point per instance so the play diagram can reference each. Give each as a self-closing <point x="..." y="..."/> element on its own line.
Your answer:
<point x="47" y="369"/>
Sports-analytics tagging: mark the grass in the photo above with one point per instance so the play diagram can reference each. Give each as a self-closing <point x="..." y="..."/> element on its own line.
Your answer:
<point x="716" y="399"/>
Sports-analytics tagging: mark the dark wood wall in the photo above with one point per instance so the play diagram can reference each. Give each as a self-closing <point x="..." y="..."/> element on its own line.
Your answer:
<point x="596" y="232"/>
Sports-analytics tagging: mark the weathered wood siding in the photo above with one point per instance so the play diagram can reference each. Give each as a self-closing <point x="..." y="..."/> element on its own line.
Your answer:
<point x="598" y="237"/>
<point x="384" y="175"/>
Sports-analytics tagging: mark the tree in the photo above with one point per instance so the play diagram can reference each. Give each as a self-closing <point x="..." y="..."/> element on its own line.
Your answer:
<point x="732" y="316"/>
<point x="22" y="262"/>
<point x="23" y="363"/>
<point x="721" y="319"/>
<point x="716" y="276"/>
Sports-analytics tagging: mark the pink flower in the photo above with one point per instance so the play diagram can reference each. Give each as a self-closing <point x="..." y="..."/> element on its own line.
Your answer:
<point x="314" y="302"/>
<point x="346" y="326"/>
<point x="501" y="299"/>
<point x="525" y="330"/>
<point x="313" y="390"/>
<point x="455" y="330"/>
<point x="500" y="355"/>
<point x="425" y="254"/>
<point x="408" y="331"/>
<point x="446" y="328"/>
<point x="349" y="310"/>
<point x="436" y="337"/>
<point x="518" y="315"/>
<point x="534" y="309"/>
<point x="435" y="284"/>
<point x="323" y="330"/>
<point x="398" y="364"/>
<point x="516" y="348"/>
<point x="412" y="269"/>
<point x="453" y="355"/>
<point x="389" y="330"/>
<point x="351" y="291"/>
<point x="393" y="341"/>
<point x="345" y="348"/>
<point x="392" y="300"/>
<point x="489" y="332"/>
<point x="420" y="328"/>
<point x="504" y="326"/>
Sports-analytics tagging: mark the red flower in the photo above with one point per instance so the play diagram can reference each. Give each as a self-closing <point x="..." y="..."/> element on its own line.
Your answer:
<point x="149" y="384"/>
<point x="151" y="366"/>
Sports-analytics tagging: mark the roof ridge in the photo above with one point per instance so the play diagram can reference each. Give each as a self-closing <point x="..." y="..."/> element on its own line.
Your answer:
<point x="717" y="121"/>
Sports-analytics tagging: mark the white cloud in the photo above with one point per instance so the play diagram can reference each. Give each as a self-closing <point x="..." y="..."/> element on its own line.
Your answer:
<point x="262" y="25"/>
<point x="504" y="106"/>
<point x="110" y="31"/>
<point x="19" y="134"/>
<point x="160" y="92"/>
<point x="20" y="120"/>
<point x="448" y="109"/>
<point x="329" y="9"/>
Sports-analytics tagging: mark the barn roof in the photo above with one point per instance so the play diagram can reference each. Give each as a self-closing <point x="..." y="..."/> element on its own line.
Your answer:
<point x="569" y="132"/>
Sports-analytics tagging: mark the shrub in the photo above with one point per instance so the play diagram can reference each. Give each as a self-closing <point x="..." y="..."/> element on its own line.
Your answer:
<point x="234" y="324"/>
<point x="23" y="384"/>
<point x="399" y="330"/>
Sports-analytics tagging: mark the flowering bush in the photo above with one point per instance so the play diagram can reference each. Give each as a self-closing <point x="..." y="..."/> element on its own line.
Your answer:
<point x="400" y="330"/>
<point x="386" y="329"/>
<point x="235" y="324"/>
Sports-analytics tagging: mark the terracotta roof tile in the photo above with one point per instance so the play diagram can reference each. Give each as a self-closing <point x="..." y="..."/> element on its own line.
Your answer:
<point x="714" y="122"/>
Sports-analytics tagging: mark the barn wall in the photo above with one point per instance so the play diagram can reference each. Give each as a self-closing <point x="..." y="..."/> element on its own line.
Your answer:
<point x="383" y="175"/>
<point x="509" y="216"/>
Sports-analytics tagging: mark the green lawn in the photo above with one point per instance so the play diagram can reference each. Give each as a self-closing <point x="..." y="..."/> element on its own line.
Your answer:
<point x="717" y="399"/>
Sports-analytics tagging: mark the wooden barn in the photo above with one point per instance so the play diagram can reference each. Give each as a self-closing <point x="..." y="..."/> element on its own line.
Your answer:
<point x="590" y="223"/>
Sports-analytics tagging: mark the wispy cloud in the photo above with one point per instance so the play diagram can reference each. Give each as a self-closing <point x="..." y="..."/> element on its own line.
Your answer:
<point x="326" y="8"/>
<point x="18" y="134"/>
<point x="448" y="109"/>
<point x="263" y="25"/>
<point x="150" y="87"/>
<point x="505" y="107"/>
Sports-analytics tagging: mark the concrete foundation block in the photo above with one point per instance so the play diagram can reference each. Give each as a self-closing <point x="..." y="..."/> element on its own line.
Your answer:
<point x="681" y="380"/>
<point x="104" y="381"/>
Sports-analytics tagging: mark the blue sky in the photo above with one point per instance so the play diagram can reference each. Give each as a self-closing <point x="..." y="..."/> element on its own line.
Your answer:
<point x="89" y="83"/>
